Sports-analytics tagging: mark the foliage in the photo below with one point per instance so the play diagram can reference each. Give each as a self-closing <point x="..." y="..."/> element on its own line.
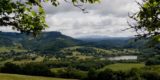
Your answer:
<point x="148" y="21"/>
<point x="28" y="69"/>
<point x="92" y="74"/>
<point x="153" y="60"/>
<point x="10" y="68"/>
<point x="38" y="69"/>
<point x="69" y="72"/>
<point x="144" y="73"/>
<point x="22" y="16"/>
<point x="83" y="65"/>
<point x="53" y="41"/>
<point x="133" y="74"/>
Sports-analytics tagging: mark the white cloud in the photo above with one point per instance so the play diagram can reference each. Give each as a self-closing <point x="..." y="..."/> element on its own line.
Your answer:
<point x="107" y="18"/>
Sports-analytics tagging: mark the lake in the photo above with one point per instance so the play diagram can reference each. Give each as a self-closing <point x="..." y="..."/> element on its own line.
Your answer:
<point x="127" y="57"/>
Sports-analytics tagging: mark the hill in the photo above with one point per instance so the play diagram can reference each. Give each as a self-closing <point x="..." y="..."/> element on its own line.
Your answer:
<point x="46" y="41"/>
<point x="114" y="42"/>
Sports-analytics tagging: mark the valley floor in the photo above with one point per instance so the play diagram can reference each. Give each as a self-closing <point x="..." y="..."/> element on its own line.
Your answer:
<point x="123" y="66"/>
<point x="24" y="77"/>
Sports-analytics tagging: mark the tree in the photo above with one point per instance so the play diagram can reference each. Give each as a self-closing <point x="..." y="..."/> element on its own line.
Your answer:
<point x="148" y="20"/>
<point x="92" y="74"/>
<point x="107" y="74"/>
<point x="10" y="68"/>
<point x="21" y="15"/>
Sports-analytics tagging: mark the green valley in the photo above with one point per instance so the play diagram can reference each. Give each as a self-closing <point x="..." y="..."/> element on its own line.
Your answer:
<point x="52" y="54"/>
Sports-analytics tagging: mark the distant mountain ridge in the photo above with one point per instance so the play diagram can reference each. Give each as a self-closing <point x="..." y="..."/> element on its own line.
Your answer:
<point x="54" y="41"/>
<point x="114" y="42"/>
<point x="94" y="39"/>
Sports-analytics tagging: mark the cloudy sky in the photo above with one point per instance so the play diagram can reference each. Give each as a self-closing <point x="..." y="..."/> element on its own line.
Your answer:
<point x="107" y="18"/>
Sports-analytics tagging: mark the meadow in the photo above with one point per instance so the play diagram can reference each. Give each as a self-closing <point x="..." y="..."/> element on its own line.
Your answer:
<point x="123" y="66"/>
<point x="24" y="77"/>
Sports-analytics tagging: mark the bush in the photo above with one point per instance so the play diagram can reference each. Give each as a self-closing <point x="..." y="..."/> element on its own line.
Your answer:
<point x="70" y="73"/>
<point x="133" y="74"/>
<point x="150" y="75"/>
<point x="27" y="69"/>
<point x="10" y="68"/>
<point x="153" y="61"/>
<point x="36" y="69"/>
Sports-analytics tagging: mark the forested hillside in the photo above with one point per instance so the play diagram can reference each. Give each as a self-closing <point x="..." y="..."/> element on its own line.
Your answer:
<point x="46" y="41"/>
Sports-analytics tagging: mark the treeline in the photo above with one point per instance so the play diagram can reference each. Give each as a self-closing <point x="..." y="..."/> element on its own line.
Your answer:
<point x="133" y="74"/>
<point x="72" y="69"/>
<point x="27" y="69"/>
<point x="153" y="60"/>
<point x="69" y="72"/>
<point x="41" y="70"/>
<point x="98" y="52"/>
<point x="83" y="65"/>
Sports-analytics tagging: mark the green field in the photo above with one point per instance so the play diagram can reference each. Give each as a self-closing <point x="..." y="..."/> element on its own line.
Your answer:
<point x="24" y="77"/>
<point x="123" y="66"/>
<point x="8" y="49"/>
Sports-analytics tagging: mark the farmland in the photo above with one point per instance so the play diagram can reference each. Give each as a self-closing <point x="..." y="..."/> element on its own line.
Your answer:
<point x="24" y="77"/>
<point x="123" y="66"/>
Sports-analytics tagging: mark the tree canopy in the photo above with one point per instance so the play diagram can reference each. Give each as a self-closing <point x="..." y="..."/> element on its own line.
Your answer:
<point x="148" y="20"/>
<point x="22" y="16"/>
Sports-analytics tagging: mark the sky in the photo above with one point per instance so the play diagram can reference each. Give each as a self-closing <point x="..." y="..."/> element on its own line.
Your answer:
<point x="105" y="19"/>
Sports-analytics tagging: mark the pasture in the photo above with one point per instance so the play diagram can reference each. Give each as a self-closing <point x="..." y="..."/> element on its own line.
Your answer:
<point x="24" y="77"/>
<point x="123" y="66"/>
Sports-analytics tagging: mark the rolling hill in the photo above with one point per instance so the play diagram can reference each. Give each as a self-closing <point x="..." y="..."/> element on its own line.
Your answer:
<point x="46" y="41"/>
<point x="55" y="41"/>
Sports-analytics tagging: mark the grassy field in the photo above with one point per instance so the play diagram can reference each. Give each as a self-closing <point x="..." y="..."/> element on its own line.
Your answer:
<point x="123" y="66"/>
<point x="24" y="77"/>
<point x="8" y="49"/>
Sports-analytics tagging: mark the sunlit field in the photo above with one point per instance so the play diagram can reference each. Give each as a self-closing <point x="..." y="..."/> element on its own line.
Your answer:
<point x="123" y="66"/>
<point x="24" y="77"/>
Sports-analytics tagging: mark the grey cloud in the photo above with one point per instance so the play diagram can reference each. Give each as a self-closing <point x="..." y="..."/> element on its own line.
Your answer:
<point x="118" y="8"/>
<point x="107" y="18"/>
<point x="62" y="8"/>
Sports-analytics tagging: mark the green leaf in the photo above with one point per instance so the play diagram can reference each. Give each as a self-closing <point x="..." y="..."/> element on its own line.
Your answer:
<point x="33" y="13"/>
<point x="41" y="10"/>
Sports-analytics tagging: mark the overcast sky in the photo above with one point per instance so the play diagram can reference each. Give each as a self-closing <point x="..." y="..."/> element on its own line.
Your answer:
<point x="107" y="18"/>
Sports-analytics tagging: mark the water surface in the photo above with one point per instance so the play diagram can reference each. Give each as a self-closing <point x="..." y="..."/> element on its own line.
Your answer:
<point x="128" y="57"/>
